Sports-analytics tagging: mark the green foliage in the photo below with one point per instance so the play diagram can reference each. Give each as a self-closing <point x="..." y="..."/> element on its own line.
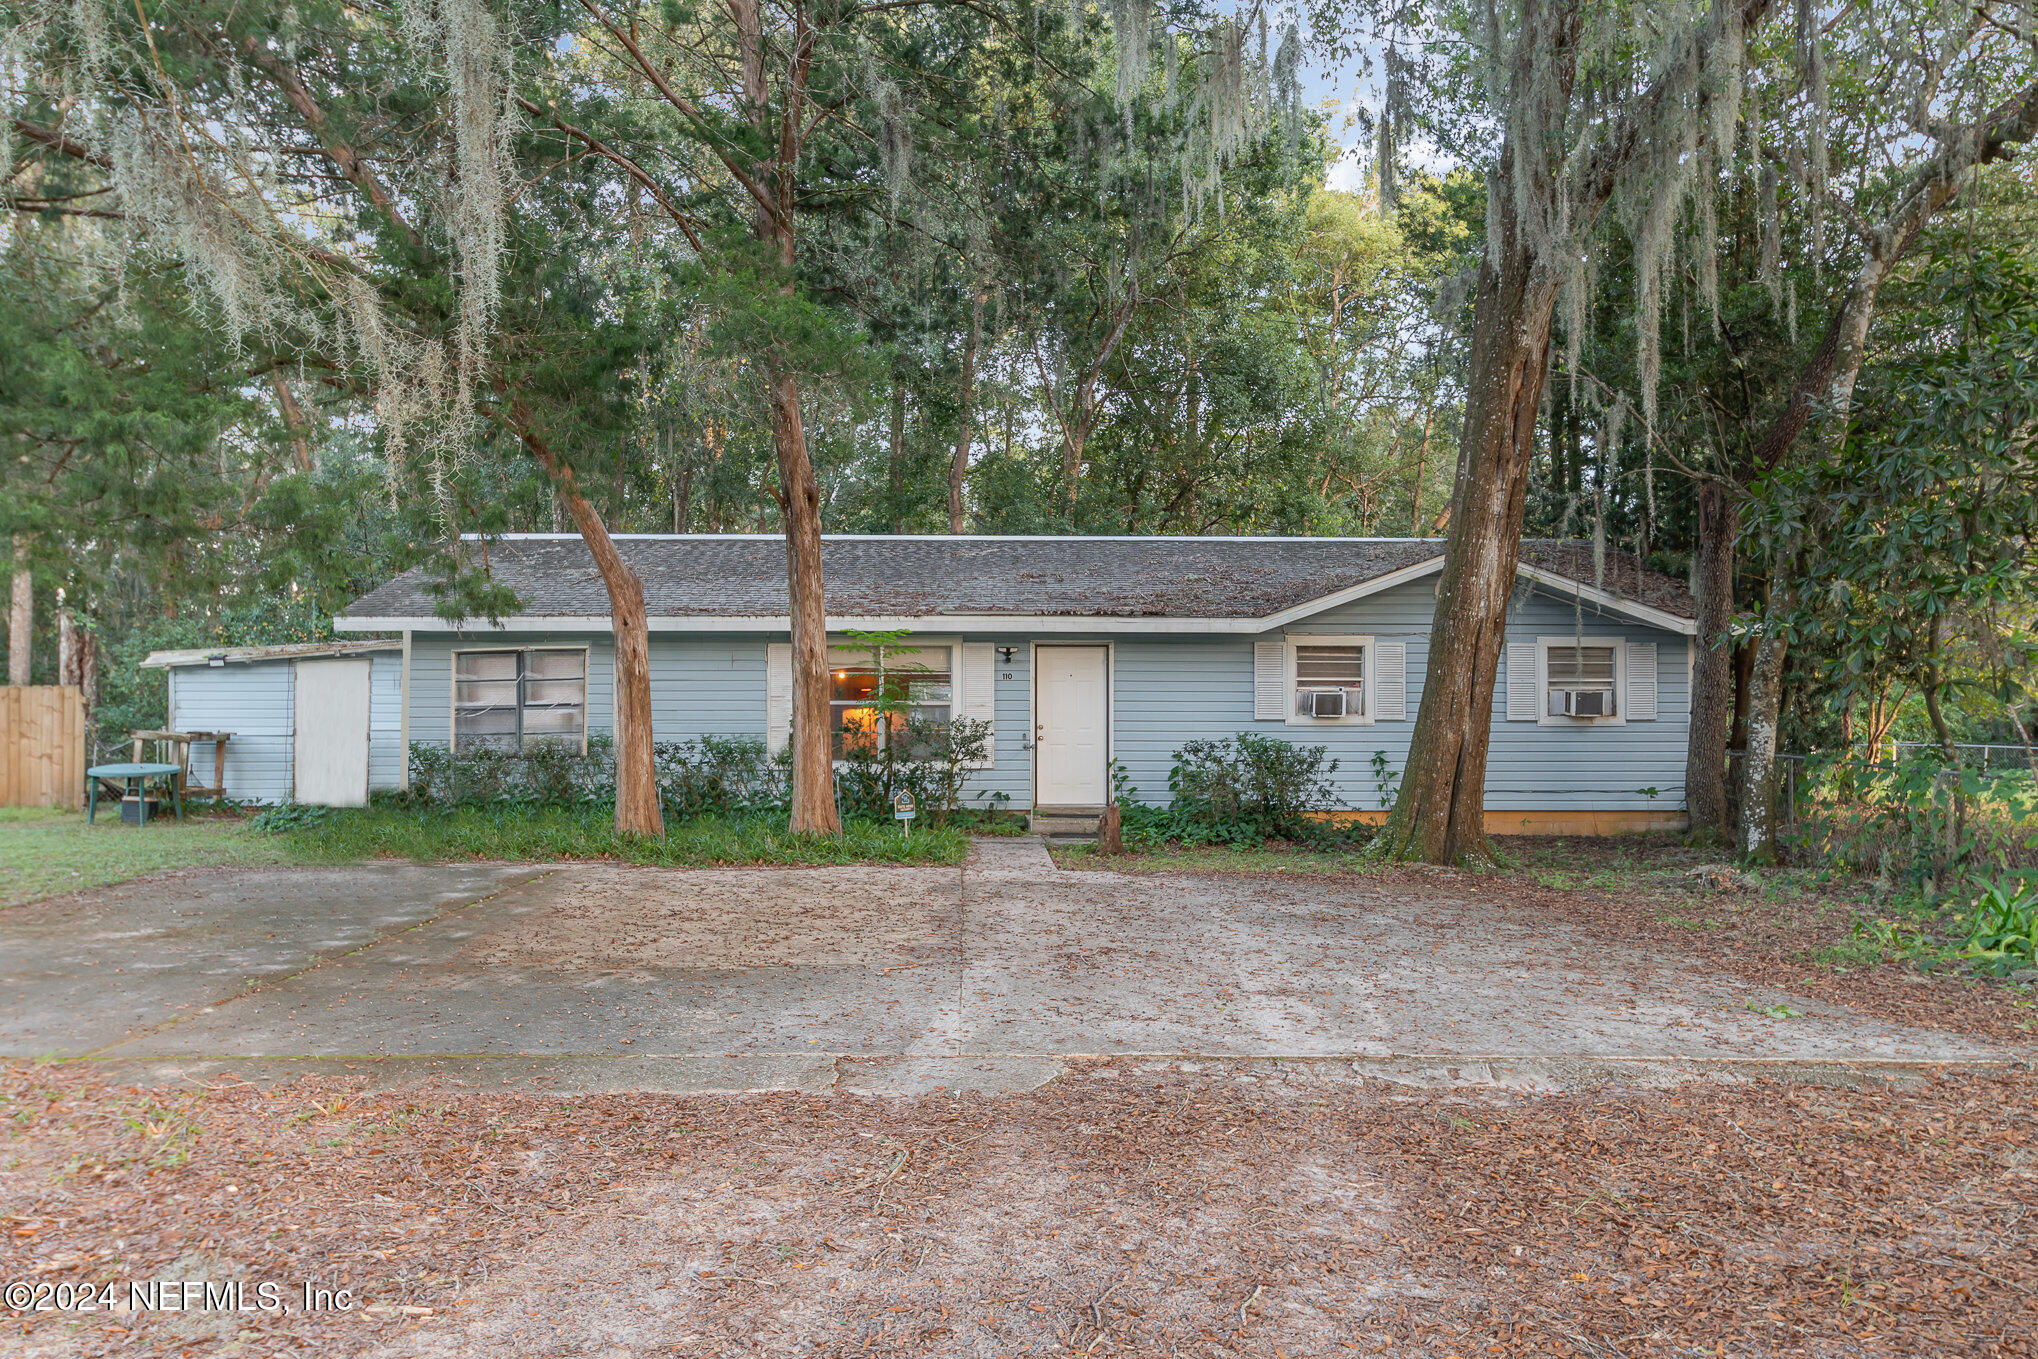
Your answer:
<point x="2004" y="937"/>
<point x="928" y="759"/>
<point x="501" y="831"/>
<point x="1239" y="791"/>
<point x="1914" y="823"/>
<point x="290" y="816"/>
<point x="706" y="775"/>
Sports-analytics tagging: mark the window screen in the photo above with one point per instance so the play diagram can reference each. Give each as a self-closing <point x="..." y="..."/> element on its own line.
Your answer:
<point x="1587" y="671"/>
<point x="1330" y="667"/>
<point x="513" y="699"/>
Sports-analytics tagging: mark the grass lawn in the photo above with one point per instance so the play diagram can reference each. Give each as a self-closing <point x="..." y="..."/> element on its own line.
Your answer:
<point x="44" y="852"/>
<point x="434" y="835"/>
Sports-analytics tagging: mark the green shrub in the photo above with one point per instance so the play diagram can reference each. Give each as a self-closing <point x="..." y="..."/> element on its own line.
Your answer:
<point x="548" y="774"/>
<point x="1241" y="790"/>
<point x="930" y="760"/>
<point x="2004" y="935"/>
<point x="290" y="816"/>
<point x="718" y="775"/>
<point x="707" y="775"/>
<point x="1914" y="823"/>
<point x="1261" y="785"/>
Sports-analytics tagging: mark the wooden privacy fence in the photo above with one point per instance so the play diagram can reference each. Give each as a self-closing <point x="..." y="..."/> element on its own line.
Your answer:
<point x="42" y="745"/>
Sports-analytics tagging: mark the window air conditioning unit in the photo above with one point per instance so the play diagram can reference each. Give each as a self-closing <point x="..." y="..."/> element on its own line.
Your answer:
<point x="1580" y="703"/>
<point x="1325" y="702"/>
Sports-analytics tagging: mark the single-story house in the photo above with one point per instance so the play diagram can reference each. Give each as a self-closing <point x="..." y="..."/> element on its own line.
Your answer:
<point x="1082" y="652"/>
<point x="317" y="722"/>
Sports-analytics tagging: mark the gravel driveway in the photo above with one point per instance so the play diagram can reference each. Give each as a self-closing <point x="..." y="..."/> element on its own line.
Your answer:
<point x="603" y="977"/>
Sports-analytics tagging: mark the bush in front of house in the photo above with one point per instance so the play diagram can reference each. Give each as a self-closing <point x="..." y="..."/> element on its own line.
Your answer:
<point x="707" y="775"/>
<point x="712" y="775"/>
<point x="1240" y="790"/>
<point x="930" y="760"/>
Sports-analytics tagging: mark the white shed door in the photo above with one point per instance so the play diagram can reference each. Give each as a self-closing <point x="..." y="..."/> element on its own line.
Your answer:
<point x="331" y="743"/>
<point x="1073" y="737"/>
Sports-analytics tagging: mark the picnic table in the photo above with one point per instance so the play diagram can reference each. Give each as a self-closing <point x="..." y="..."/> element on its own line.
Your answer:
<point x="135" y="776"/>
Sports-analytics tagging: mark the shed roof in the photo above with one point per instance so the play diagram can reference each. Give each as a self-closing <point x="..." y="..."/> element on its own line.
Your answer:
<point x="286" y="651"/>
<point x="931" y="577"/>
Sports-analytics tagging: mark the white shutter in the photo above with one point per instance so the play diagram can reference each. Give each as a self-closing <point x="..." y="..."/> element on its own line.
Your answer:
<point x="1522" y="682"/>
<point x="1390" y="681"/>
<point x="778" y="695"/>
<point x="1270" y="681"/>
<point x="978" y="674"/>
<point x="1641" y="682"/>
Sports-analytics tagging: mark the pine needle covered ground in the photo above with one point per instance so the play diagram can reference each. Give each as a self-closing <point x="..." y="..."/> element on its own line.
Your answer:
<point x="1129" y="1209"/>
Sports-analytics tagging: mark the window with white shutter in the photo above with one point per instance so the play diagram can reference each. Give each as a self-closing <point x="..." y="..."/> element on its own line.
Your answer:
<point x="1641" y="681"/>
<point x="778" y="695"/>
<point x="1329" y="680"/>
<point x="1582" y="681"/>
<point x="1270" y="681"/>
<point x="1523" y="681"/>
<point x="980" y="692"/>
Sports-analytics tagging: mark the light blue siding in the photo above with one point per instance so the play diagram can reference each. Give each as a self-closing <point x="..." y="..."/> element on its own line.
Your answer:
<point x="1167" y="690"/>
<point x="253" y="702"/>
<point x="431" y="676"/>
<point x="706" y="684"/>
<point x="385" y="721"/>
<point x="256" y="702"/>
<point x="1528" y="766"/>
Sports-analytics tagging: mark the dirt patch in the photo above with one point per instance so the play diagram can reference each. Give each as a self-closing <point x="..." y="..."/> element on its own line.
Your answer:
<point x="1790" y="931"/>
<point x="1125" y="1210"/>
<point x="1780" y="930"/>
<point x="612" y="919"/>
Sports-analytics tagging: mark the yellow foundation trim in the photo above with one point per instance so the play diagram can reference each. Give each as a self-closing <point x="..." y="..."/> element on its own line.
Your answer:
<point x="1557" y="822"/>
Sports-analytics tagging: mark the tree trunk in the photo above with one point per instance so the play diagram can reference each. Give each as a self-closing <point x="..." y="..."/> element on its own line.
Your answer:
<point x="68" y="657"/>
<point x="1765" y="709"/>
<point x="958" y="466"/>
<point x="294" y="422"/>
<point x="638" y="809"/>
<point x="88" y="669"/>
<point x="1440" y="814"/>
<point x="1712" y="672"/>
<point x="1935" y="686"/>
<point x="813" y="808"/>
<point x="21" y="616"/>
<point x="895" y="471"/>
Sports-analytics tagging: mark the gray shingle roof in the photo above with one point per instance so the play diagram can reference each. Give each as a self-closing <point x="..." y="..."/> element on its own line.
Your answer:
<point x="930" y="576"/>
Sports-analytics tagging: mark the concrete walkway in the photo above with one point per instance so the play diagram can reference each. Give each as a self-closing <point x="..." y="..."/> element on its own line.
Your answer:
<point x="991" y="976"/>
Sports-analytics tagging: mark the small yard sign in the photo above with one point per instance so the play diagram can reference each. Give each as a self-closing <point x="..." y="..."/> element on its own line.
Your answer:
<point x="902" y="808"/>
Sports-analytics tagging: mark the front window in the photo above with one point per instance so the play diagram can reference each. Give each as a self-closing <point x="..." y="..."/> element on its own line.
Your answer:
<point x="512" y="700"/>
<point x="1580" y="681"/>
<point x="914" y="682"/>
<point x="1330" y="681"/>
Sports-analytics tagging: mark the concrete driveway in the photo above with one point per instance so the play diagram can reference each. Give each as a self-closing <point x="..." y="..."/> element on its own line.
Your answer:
<point x="989" y="976"/>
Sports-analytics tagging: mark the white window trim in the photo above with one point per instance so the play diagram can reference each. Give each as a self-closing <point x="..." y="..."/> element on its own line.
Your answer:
<point x="1544" y="718"/>
<point x="1364" y="641"/>
<point x="913" y="641"/>
<point x="453" y="685"/>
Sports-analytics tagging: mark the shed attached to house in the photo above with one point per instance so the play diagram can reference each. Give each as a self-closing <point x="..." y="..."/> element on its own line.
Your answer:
<point x="314" y="722"/>
<point x="1091" y="660"/>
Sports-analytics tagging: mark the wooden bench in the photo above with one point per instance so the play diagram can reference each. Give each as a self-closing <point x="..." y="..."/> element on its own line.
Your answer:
<point x="174" y="747"/>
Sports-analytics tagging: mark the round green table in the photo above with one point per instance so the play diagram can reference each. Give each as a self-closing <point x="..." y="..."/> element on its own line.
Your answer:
<point x="136" y="777"/>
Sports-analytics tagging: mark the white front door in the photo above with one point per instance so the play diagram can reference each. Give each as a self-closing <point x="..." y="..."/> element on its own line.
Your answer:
<point x="331" y="745"/>
<point x="1072" y="726"/>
